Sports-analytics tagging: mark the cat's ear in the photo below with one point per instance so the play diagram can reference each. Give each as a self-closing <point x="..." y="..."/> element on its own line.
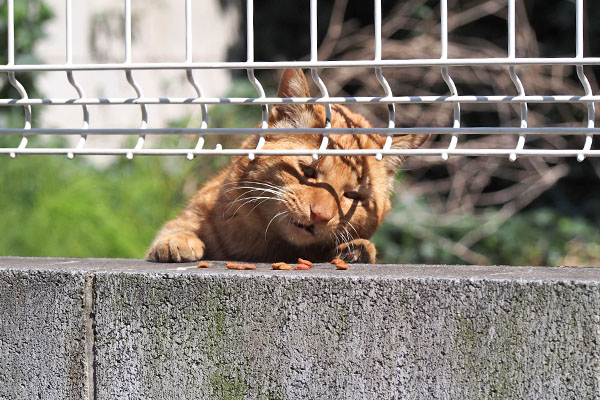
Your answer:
<point x="292" y="84"/>
<point x="403" y="142"/>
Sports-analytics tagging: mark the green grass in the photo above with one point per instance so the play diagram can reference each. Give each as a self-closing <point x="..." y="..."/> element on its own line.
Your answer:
<point x="55" y="207"/>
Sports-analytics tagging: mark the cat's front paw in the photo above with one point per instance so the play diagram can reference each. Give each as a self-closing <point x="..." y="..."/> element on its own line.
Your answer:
<point x="176" y="248"/>
<point x="357" y="251"/>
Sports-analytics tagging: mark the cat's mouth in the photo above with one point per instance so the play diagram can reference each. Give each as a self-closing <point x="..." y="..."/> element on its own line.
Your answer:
<point x="308" y="228"/>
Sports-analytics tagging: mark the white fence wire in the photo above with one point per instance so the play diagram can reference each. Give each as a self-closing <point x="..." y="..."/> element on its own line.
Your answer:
<point x="129" y="67"/>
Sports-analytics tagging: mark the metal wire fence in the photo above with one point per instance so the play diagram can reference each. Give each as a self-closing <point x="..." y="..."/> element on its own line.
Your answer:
<point x="378" y="64"/>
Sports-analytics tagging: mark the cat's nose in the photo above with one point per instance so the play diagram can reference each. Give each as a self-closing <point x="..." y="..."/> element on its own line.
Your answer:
<point x="319" y="213"/>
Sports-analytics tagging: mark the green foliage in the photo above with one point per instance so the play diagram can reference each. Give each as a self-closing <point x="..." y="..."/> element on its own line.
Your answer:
<point x="52" y="206"/>
<point x="57" y="207"/>
<point x="30" y="18"/>
<point x="414" y="233"/>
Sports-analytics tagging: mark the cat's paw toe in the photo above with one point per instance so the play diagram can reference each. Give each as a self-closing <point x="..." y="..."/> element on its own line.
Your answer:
<point x="176" y="248"/>
<point x="357" y="251"/>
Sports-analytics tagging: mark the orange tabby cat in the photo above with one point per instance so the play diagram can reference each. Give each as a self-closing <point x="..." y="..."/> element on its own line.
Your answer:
<point x="279" y="208"/>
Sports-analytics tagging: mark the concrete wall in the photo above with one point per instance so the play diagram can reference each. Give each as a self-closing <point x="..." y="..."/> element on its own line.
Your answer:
<point x="128" y="329"/>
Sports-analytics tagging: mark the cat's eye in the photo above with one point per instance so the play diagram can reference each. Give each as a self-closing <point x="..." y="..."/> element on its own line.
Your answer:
<point x="308" y="171"/>
<point x="353" y="195"/>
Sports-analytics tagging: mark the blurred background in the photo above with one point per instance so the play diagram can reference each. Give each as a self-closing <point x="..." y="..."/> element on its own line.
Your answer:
<point x="480" y="210"/>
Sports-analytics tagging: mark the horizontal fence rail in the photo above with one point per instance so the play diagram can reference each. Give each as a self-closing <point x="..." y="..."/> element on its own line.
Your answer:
<point x="379" y="65"/>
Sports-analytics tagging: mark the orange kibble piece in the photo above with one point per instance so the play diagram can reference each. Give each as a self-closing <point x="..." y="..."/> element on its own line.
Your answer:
<point x="339" y="263"/>
<point x="231" y="265"/>
<point x="305" y="262"/>
<point x="282" y="266"/>
<point x="203" y="264"/>
<point x="302" y="267"/>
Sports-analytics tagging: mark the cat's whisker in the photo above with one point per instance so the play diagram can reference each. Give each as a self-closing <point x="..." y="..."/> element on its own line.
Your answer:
<point x="254" y="199"/>
<point x="269" y="189"/>
<point x="251" y="185"/>
<point x="251" y="189"/>
<point x="241" y="196"/>
<point x="231" y="203"/>
<point x="235" y="212"/>
<point x="269" y="184"/>
<point x="353" y="228"/>
<point x="336" y="243"/>
<point x="246" y="201"/>
<point x="259" y="203"/>
<point x="259" y="189"/>
<point x="347" y="235"/>
<point x="339" y="241"/>
<point x="275" y="187"/>
<point x="278" y="195"/>
<point x="281" y="213"/>
<point x="343" y="237"/>
<point x="350" y="241"/>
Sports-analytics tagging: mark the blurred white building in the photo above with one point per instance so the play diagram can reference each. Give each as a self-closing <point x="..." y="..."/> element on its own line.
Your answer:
<point x="158" y="28"/>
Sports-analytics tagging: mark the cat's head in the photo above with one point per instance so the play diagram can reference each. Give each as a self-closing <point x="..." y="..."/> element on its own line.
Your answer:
<point x="330" y="200"/>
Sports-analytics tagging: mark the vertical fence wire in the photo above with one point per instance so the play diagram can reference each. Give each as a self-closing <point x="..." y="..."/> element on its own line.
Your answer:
<point x="132" y="82"/>
<point x="190" y="77"/>
<point x="71" y="78"/>
<point x="514" y="77"/>
<point x="252" y="77"/>
<point x="315" y="74"/>
<point x="446" y="75"/>
<point x="12" y="78"/>
<point x="382" y="81"/>
<point x="582" y="78"/>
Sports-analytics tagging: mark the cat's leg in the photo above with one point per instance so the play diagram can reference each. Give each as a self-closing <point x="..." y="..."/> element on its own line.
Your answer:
<point x="357" y="251"/>
<point x="176" y="242"/>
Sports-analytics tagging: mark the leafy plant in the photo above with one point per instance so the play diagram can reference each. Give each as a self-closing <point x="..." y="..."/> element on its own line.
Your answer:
<point x="30" y="17"/>
<point x="414" y="232"/>
<point x="52" y="206"/>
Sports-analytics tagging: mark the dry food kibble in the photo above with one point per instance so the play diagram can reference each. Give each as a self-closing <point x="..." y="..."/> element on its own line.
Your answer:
<point x="339" y="263"/>
<point x="231" y="265"/>
<point x="237" y="266"/>
<point x="305" y="262"/>
<point x="302" y="267"/>
<point x="282" y="266"/>
<point x="203" y="264"/>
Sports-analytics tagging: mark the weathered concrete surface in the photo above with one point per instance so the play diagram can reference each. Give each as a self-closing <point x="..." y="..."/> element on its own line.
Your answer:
<point x="42" y="334"/>
<point x="447" y="332"/>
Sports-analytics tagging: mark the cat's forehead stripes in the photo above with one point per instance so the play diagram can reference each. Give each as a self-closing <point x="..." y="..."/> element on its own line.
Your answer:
<point x="341" y="164"/>
<point x="343" y="169"/>
<point x="342" y="113"/>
